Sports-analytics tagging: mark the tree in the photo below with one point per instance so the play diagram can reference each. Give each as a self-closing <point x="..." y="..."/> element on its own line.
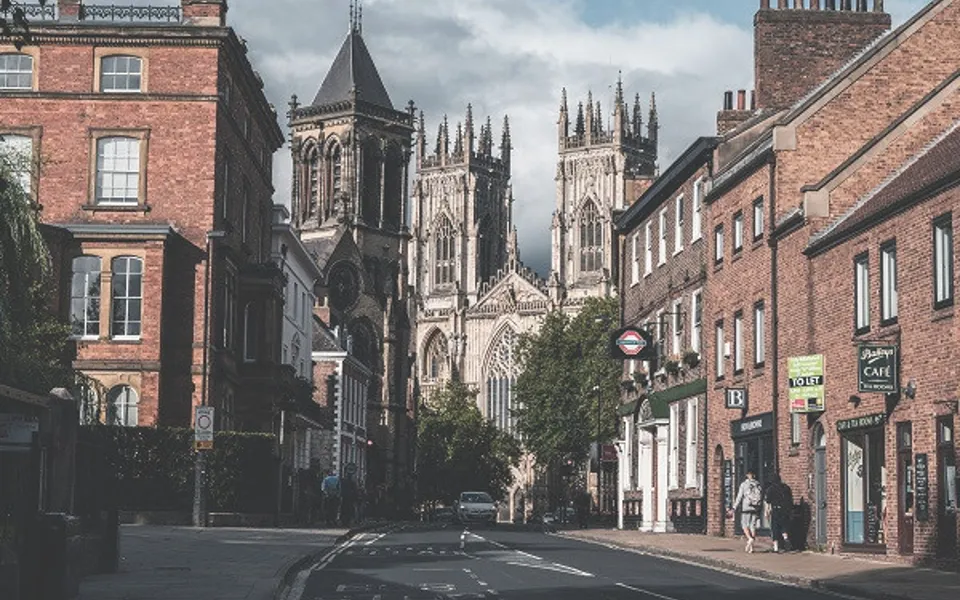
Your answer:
<point x="33" y="342"/>
<point x="459" y="450"/>
<point x="567" y="372"/>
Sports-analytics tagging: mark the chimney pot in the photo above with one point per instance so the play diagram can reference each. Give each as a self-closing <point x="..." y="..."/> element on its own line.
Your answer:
<point x="783" y="4"/>
<point x="814" y="4"/>
<point x="753" y="99"/>
<point x="830" y="5"/>
<point x="204" y="13"/>
<point x="69" y="10"/>
<point x="741" y="99"/>
<point x="764" y="4"/>
<point x="728" y="101"/>
<point x="878" y="6"/>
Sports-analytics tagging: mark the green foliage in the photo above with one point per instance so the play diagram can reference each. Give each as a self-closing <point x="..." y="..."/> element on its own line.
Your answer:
<point x="33" y="343"/>
<point x="154" y="468"/>
<point x="459" y="450"/>
<point x="563" y="363"/>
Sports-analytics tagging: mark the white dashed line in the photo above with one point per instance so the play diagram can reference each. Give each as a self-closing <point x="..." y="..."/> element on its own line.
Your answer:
<point x="646" y="592"/>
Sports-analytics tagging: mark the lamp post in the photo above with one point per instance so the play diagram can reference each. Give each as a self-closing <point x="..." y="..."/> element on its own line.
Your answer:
<point x="596" y="390"/>
<point x="200" y="458"/>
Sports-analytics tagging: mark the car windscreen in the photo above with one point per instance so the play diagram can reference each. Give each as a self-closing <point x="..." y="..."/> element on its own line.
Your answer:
<point x="476" y="499"/>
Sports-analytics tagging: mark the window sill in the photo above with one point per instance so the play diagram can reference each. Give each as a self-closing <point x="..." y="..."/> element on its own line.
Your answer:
<point x="759" y="370"/>
<point x="736" y="256"/>
<point x="940" y="314"/>
<point x="85" y="338"/>
<point x="126" y="340"/>
<point x="678" y="252"/>
<point x="127" y="208"/>
<point x="696" y="239"/>
<point x="757" y="242"/>
<point x="717" y="266"/>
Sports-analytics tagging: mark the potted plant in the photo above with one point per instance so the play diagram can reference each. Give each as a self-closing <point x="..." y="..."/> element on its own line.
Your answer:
<point x="627" y="385"/>
<point x="672" y="367"/>
<point x="691" y="358"/>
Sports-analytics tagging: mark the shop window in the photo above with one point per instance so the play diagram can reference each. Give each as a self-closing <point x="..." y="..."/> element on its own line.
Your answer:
<point x="864" y="487"/>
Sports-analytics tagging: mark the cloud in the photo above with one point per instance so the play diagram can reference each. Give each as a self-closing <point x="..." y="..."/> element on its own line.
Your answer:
<point x="506" y="57"/>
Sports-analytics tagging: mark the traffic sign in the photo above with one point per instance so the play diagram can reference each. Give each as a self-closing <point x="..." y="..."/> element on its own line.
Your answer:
<point x="631" y="343"/>
<point x="203" y="428"/>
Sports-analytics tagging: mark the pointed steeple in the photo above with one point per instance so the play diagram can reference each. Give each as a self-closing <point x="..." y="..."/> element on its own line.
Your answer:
<point x="421" y="139"/>
<point x="637" y="117"/>
<point x="458" y="141"/>
<point x="353" y="69"/>
<point x="563" y="122"/>
<point x="446" y="136"/>
<point x="653" y="123"/>
<point x="468" y="131"/>
<point x="598" y="120"/>
<point x="513" y="248"/>
<point x="618" y="100"/>
<point x="505" y="144"/>
<point x="580" y="128"/>
<point x="439" y="148"/>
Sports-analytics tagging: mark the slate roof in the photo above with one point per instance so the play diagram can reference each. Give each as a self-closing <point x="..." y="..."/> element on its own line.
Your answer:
<point x="353" y="67"/>
<point x="930" y="171"/>
<point x="321" y="249"/>
<point x="323" y="338"/>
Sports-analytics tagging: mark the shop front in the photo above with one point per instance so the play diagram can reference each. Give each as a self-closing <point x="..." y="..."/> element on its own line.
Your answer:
<point x="863" y="471"/>
<point x="753" y="452"/>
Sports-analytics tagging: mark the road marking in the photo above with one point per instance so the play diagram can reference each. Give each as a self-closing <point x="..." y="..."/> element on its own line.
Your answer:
<point x="643" y="591"/>
<point x="558" y="568"/>
<point x="375" y="539"/>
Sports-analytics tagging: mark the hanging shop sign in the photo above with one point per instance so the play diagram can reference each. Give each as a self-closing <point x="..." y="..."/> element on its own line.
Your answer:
<point x="736" y="398"/>
<point x="921" y="487"/>
<point x="632" y="343"/>
<point x="806" y="379"/>
<point x="878" y="369"/>
<point x="866" y="422"/>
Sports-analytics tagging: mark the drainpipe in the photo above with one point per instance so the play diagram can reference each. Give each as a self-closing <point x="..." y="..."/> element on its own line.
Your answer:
<point x="774" y="313"/>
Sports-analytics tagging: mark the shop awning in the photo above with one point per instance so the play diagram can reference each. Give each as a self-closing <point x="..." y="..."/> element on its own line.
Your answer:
<point x="660" y="401"/>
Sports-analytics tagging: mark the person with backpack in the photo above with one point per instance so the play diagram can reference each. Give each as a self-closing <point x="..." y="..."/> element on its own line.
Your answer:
<point x="331" y="498"/>
<point x="779" y="500"/>
<point x="750" y="501"/>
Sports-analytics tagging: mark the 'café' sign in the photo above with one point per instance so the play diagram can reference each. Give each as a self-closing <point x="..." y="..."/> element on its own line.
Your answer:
<point x="878" y="369"/>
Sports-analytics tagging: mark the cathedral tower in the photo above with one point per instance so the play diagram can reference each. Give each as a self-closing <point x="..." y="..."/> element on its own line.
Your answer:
<point x="351" y="151"/>
<point x="602" y="168"/>
<point x="461" y="215"/>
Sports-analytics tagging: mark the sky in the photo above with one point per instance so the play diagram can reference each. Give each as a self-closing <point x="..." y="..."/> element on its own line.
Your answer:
<point x="513" y="57"/>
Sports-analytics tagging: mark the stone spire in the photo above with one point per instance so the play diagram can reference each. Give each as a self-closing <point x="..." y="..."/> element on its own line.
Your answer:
<point x="580" y="128"/>
<point x="653" y="123"/>
<point x="458" y="141"/>
<point x="637" y="127"/>
<point x="505" y="144"/>
<point x="563" y="122"/>
<point x="468" y="131"/>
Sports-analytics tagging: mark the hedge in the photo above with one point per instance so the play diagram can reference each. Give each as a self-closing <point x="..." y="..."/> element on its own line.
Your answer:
<point x="153" y="469"/>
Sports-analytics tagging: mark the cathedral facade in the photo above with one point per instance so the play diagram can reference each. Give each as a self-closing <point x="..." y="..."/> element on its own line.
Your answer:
<point x="472" y="295"/>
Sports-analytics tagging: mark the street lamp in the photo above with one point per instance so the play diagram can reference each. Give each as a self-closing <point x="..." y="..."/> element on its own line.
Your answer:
<point x="596" y="390"/>
<point x="200" y="458"/>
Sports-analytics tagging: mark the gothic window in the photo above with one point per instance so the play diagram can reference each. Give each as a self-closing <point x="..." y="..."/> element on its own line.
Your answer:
<point x="392" y="186"/>
<point x="344" y="286"/>
<point x="313" y="183"/>
<point x="444" y="255"/>
<point x="487" y="263"/>
<point x="591" y="239"/>
<point x="434" y="367"/>
<point x="502" y="370"/>
<point x="371" y="165"/>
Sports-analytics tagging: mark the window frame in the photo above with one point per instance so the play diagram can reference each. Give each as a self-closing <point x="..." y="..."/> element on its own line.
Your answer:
<point x="592" y="236"/>
<point x="98" y="135"/>
<point x="128" y="298"/>
<point x="113" y="415"/>
<point x="250" y="345"/>
<point x="673" y="457"/>
<point x="719" y="358"/>
<point x="861" y="293"/>
<point x="648" y="249"/>
<point x="718" y="245"/>
<point x="759" y="334"/>
<point x="696" y="327"/>
<point x="696" y="232"/>
<point x="889" y="309"/>
<point x="758" y="220"/>
<point x="33" y="53"/>
<point x="28" y="177"/>
<point x="102" y="73"/>
<point x="943" y="270"/>
<point x="693" y="445"/>
<point x="738" y="343"/>
<point x="635" y="263"/>
<point x="677" y="326"/>
<point x="678" y="225"/>
<point x="662" y="238"/>
<point x="737" y="226"/>
<point x="87" y="298"/>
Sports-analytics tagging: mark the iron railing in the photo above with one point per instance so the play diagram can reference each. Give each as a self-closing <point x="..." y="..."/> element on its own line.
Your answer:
<point x="136" y="14"/>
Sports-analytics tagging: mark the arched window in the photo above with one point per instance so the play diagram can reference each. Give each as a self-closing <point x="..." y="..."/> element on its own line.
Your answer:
<point x="591" y="239"/>
<point x="16" y="71"/>
<point x="488" y="264"/>
<point x="85" y="297"/>
<point x="118" y="170"/>
<point x="444" y="258"/>
<point x="370" y="192"/>
<point x="16" y="151"/>
<point x="502" y="370"/>
<point x="127" y="290"/>
<point x="435" y="363"/>
<point x="313" y="182"/>
<point x="121" y="74"/>
<point x="392" y="186"/>
<point x="123" y="401"/>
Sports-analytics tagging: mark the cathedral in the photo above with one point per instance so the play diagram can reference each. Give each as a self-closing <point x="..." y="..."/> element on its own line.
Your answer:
<point x="423" y="270"/>
<point x="472" y="294"/>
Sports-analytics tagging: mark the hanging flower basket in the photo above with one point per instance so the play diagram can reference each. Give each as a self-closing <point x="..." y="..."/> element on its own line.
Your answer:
<point x="672" y="367"/>
<point x="628" y="385"/>
<point x="691" y="359"/>
<point x="641" y="379"/>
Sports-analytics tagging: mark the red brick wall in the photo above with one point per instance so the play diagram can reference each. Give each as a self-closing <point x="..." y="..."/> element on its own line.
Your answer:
<point x="795" y="50"/>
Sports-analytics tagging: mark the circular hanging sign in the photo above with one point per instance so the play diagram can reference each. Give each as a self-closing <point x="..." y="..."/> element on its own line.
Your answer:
<point x="631" y="342"/>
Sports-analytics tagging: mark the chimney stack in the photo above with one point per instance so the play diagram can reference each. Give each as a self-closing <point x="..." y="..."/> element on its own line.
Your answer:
<point x="764" y="4"/>
<point x="741" y="99"/>
<point x="733" y="115"/>
<point x="69" y="10"/>
<point x="204" y="13"/>
<point x="728" y="100"/>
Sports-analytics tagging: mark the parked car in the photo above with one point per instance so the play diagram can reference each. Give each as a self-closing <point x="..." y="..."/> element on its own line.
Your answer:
<point x="477" y="507"/>
<point x="444" y="514"/>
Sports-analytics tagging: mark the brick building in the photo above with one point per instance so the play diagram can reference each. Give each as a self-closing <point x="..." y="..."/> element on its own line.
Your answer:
<point x="155" y="144"/>
<point x="661" y="241"/>
<point x="819" y="192"/>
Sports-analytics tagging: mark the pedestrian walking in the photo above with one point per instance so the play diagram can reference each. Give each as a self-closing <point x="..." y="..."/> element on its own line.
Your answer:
<point x="779" y="503"/>
<point x="331" y="498"/>
<point x="750" y="502"/>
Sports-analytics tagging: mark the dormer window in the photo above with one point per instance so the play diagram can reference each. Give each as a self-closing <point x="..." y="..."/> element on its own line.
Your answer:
<point x="121" y="74"/>
<point x="16" y="72"/>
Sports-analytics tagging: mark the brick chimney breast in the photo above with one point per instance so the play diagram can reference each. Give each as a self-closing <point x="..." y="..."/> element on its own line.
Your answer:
<point x="204" y="13"/>
<point x="69" y="10"/>
<point x="796" y="50"/>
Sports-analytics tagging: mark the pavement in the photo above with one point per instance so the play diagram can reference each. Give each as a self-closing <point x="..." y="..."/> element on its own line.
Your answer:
<point x="186" y="563"/>
<point x="847" y="575"/>
<point x="439" y="562"/>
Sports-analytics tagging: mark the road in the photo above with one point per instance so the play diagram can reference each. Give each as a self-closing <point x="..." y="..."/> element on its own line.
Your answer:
<point x="416" y="562"/>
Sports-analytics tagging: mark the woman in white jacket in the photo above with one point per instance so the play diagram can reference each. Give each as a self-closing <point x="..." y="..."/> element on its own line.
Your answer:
<point x="750" y="502"/>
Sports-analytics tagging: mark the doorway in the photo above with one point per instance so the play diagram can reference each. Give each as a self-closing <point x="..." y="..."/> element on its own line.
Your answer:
<point x="905" y="488"/>
<point x="755" y="453"/>
<point x="947" y="481"/>
<point x="820" y="483"/>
